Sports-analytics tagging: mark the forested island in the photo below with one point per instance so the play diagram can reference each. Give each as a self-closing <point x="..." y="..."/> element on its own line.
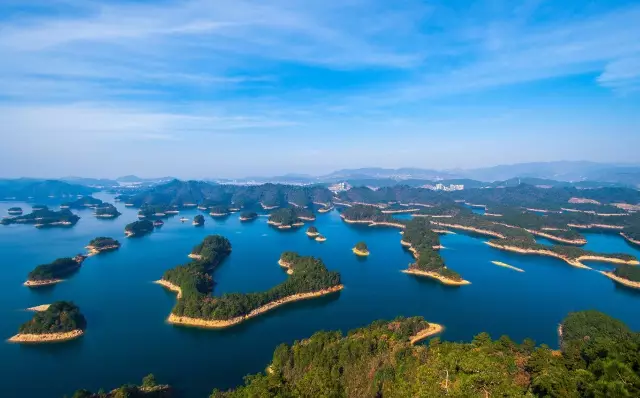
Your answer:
<point x="44" y="218"/>
<point x="219" y="211"/>
<point x="195" y="307"/>
<point x="82" y="203"/>
<point x="598" y="358"/>
<point x="312" y="232"/>
<point x="198" y="220"/>
<point x="106" y="210"/>
<point x="148" y="389"/>
<point x="52" y="273"/>
<point x="156" y="211"/>
<point x="14" y="211"/>
<point x="102" y="244"/>
<point x="138" y="228"/>
<point x="361" y="249"/>
<point x="248" y="216"/>
<point x="60" y="322"/>
<point x="289" y="217"/>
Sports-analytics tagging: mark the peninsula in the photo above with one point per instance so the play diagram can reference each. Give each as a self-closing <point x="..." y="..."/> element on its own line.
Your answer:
<point x="308" y="278"/>
<point x="61" y="321"/>
<point x="628" y="275"/>
<point x="52" y="273"/>
<point x="102" y="244"/>
<point x="361" y="249"/>
<point x="138" y="228"/>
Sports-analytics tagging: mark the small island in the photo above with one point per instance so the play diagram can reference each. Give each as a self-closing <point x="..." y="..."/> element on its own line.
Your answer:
<point x="505" y="265"/>
<point x="198" y="220"/>
<point x="138" y="228"/>
<point x="219" y="211"/>
<point x="106" y="210"/>
<point x="248" y="216"/>
<point x="321" y="238"/>
<point x="44" y="218"/>
<point x="14" y="211"/>
<point x="312" y="232"/>
<point x="61" y="321"/>
<point x="155" y="211"/>
<point x="288" y="217"/>
<point x="158" y="223"/>
<point x="102" y="244"/>
<point x="82" y="203"/>
<point x="361" y="249"/>
<point x="52" y="273"/>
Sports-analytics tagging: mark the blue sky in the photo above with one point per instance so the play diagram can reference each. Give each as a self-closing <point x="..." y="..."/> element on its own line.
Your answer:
<point x="206" y="88"/>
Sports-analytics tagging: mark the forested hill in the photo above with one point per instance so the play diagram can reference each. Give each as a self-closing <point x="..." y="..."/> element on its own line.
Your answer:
<point x="28" y="189"/>
<point x="599" y="358"/>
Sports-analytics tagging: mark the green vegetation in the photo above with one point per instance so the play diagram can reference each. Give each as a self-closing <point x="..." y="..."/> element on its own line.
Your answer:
<point x="193" y="278"/>
<point x="82" y="203"/>
<point x="107" y="210"/>
<point x="154" y="211"/>
<point x="44" y="218"/>
<point x="419" y="234"/>
<point x="248" y="215"/>
<point x="362" y="247"/>
<point x="104" y="243"/>
<point x="198" y="220"/>
<point x="379" y="361"/>
<point x="60" y="317"/>
<point x="219" y="210"/>
<point x="312" y="230"/>
<point x="366" y="213"/>
<point x="149" y="389"/>
<point x="138" y="228"/>
<point x="285" y="216"/>
<point x="630" y="272"/>
<point x="310" y="274"/>
<point x="55" y="270"/>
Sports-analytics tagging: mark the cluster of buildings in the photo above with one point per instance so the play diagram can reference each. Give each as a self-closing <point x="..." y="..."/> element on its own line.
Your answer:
<point x="446" y="188"/>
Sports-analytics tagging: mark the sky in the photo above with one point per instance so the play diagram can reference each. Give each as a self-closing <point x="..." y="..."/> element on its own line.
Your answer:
<point x="220" y="88"/>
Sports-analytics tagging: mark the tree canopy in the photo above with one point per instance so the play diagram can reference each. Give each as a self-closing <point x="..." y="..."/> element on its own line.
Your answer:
<point x="60" y="317"/>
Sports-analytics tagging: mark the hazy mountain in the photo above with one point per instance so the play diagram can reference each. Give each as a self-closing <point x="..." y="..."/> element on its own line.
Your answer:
<point x="93" y="182"/>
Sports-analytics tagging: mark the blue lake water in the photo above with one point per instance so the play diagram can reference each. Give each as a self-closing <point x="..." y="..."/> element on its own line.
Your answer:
<point x="127" y="336"/>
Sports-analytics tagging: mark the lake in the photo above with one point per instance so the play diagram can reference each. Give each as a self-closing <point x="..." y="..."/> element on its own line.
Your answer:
<point x="127" y="336"/>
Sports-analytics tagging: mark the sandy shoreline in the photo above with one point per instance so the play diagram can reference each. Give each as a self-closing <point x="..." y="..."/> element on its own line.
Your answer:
<point x="39" y="308"/>
<point x="44" y="282"/>
<point x="219" y="324"/>
<point x="194" y="256"/>
<point x="45" y="338"/>
<point x="360" y="253"/>
<point x="433" y="329"/>
<point x="169" y="286"/>
<point x="472" y="229"/>
<point x="312" y="234"/>
<point x="438" y="277"/>
<point x="505" y="265"/>
<point x="320" y="238"/>
<point x="94" y="250"/>
<point x="556" y="238"/>
<point x="622" y="281"/>
<point x="286" y="265"/>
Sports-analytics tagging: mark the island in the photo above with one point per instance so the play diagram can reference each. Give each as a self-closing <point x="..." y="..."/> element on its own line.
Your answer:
<point x="219" y="211"/>
<point x="61" y="321"/>
<point x="82" y="203"/>
<point x="155" y="211"/>
<point x="52" y="273"/>
<point x="289" y="217"/>
<point x="312" y="232"/>
<point x="361" y="249"/>
<point x="102" y="244"/>
<point x="38" y="207"/>
<point x="248" y="216"/>
<point x="44" y="218"/>
<point x="148" y="389"/>
<point x="198" y="220"/>
<point x="309" y="278"/>
<point x="158" y="223"/>
<point x="385" y="359"/>
<point x="321" y="238"/>
<point x="106" y="210"/>
<point x="625" y="274"/>
<point x="138" y="228"/>
<point x="505" y="265"/>
<point x="369" y="215"/>
<point x="14" y="211"/>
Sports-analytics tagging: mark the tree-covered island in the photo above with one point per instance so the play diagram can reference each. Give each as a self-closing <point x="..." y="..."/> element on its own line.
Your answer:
<point x="102" y="244"/>
<point x="106" y="210"/>
<point x="193" y="282"/>
<point x="49" y="274"/>
<point x="219" y="211"/>
<point x="14" y="211"/>
<point x="361" y="249"/>
<point x="288" y="217"/>
<point x="138" y="228"/>
<point x="198" y="220"/>
<point x="597" y="358"/>
<point x="312" y="232"/>
<point x="60" y="322"/>
<point x="148" y="389"/>
<point x="44" y="218"/>
<point x="82" y="203"/>
<point x="248" y="216"/>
